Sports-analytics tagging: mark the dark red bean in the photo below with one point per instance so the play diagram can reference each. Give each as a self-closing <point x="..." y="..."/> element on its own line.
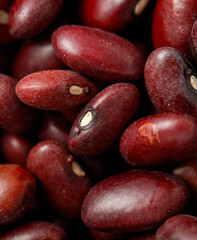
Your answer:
<point x="180" y="227"/>
<point x="17" y="187"/>
<point x="34" y="56"/>
<point x="15" y="148"/>
<point x="110" y="15"/>
<point x="171" y="81"/>
<point x="63" y="182"/>
<point x="28" y="18"/>
<point x="144" y="237"/>
<point x="35" y="231"/>
<point x="55" y="89"/>
<point x="54" y="127"/>
<point x="172" y="25"/>
<point x="4" y="19"/>
<point x="159" y="140"/>
<point x="15" y="117"/>
<point x="194" y="36"/>
<point x="101" y="121"/>
<point x="97" y="235"/>
<point x="134" y="201"/>
<point x="98" y="54"/>
<point x="71" y="114"/>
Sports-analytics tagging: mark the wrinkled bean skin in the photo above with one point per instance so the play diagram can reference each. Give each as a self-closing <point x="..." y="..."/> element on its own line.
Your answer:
<point x="52" y="89"/>
<point x="167" y="76"/>
<point x="180" y="227"/>
<point x="134" y="201"/>
<point x="28" y="18"/>
<point x="98" y="54"/>
<point x="172" y="24"/>
<point x="17" y="192"/>
<point x="34" y="56"/>
<point x="15" y="117"/>
<point x="159" y="140"/>
<point x="109" y="15"/>
<point x="62" y="187"/>
<point x="109" y="117"/>
<point x="15" y="148"/>
<point x="35" y="231"/>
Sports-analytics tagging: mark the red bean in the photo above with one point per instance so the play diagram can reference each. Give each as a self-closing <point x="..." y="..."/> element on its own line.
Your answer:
<point x="98" y="54"/>
<point x="28" y="18"/>
<point x="172" y="25"/>
<point x="159" y="140"/>
<point x="17" y="188"/>
<point x="171" y="81"/>
<point x="180" y="227"/>
<point x="34" y="56"/>
<point x="55" y="89"/>
<point x="35" y="231"/>
<point x="15" y="117"/>
<point x="134" y="201"/>
<point x="63" y="182"/>
<point x="101" y="121"/>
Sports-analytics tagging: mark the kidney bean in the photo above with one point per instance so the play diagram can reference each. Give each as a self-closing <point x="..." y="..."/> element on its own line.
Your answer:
<point x="71" y="114"/>
<point x="110" y="15"/>
<point x="54" y="127"/>
<point x="17" y="188"/>
<point x="15" y="117"/>
<point x="15" y="148"/>
<point x="172" y="25"/>
<point x="159" y="140"/>
<point x="35" y="231"/>
<point x="101" y="121"/>
<point x="55" y="89"/>
<point x="134" y="201"/>
<point x="97" y="235"/>
<point x="180" y="227"/>
<point x="34" y="56"/>
<point x="171" y="81"/>
<point x="63" y="182"/>
<point x="28" y="18"/>
<point x="98" y="54"/>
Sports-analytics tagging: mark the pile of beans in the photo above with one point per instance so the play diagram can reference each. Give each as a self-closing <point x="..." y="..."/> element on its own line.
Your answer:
<point x="98" y="119"/>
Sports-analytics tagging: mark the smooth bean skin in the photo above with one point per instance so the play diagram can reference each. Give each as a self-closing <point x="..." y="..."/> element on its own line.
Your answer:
<point x="63" y="182"/>
<point x="172" y="24"/>
<point x="15" y="148"/>
<point x="171" y="81"/>
<point x="159" y="140"/>
<point x="28" y="18"/>
<point x="107" y="114"/>
<point x="34" y="56"/>
<point x="15" y="117"/>
<point x="134" y="201"/>
<point x="17" y="192"/>
<point x="98" y="54"/>
<point x="180" y="227"/>
<point x="194" y="36"/>
<point x="109" y="15"/>
<point x="35" y="231"/>
<point x="55" y="89"/>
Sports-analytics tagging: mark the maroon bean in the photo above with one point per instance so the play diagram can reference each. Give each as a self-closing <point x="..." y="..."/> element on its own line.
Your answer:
<point x="98" y="54"/>
<point x="180" y="227"/>
<point x="144" y="237"/>
<point x="101" y="121"/>
<point x="17" y="188"/>
<point x="194" y="36"/>
<point x="134" y="201"/>
<point x="55" y="89"/>
<point x="4" y="18"/>
<point x="54" y="127"/>
<point x="15" y="117"/>
<point x="28" y="18"/>
<point x="15" y="148"/>
<point x="171" y="81"/>
<point x="110" y="15"/>
<point x="159" y="140"/>
<point x="63" y="181"/>
<point x="34" y="56"/>
<point x="35" y="231"/>
<point x="71" y="114"/>
<point x="172" y="25"/>
<point x="97" y="235"/>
